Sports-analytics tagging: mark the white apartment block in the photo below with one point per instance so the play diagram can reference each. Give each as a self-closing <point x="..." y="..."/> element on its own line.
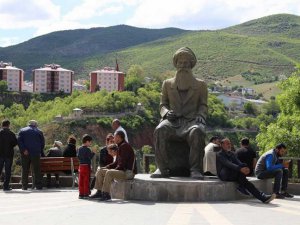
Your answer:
<point x="52" y="79"/>
<point x="107" y="79"/>
<point x="12" y="75"/>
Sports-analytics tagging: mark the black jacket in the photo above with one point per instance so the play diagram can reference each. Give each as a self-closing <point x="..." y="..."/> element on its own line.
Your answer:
<point x="8" y="141"/>
<point x="227" y="164"/>
<point x="70" y="151"/>
<point x="105" y="158"/>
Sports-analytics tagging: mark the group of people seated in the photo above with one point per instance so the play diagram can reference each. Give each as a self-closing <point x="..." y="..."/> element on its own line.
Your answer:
<point x="221" y="160"/>
<point x="117" y="162"/>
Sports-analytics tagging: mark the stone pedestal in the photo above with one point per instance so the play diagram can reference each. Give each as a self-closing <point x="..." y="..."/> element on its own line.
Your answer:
<point x="181" y="189"/>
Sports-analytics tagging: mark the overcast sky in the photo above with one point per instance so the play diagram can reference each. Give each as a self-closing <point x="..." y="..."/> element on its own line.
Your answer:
<point x="21" y="20"/>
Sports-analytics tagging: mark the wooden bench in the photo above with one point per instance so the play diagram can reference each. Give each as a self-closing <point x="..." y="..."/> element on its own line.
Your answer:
<point x="60" y="165"/>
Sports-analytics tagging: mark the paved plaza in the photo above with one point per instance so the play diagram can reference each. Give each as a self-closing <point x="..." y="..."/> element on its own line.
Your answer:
<point x="62" y="207"/>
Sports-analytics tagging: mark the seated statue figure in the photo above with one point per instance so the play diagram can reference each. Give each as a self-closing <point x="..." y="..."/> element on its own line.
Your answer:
<point x="179" y="139"/>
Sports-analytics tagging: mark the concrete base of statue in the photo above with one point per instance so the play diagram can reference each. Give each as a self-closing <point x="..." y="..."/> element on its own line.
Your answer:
<point x="182" y="189"/>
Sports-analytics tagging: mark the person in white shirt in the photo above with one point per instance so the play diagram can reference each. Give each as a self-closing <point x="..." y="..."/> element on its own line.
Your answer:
<point x="116" y="125"/>
<point x="209" y="159"/>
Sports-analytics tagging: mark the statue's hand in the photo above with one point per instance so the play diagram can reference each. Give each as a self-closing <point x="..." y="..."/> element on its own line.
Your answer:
<point x="171" y="115"/>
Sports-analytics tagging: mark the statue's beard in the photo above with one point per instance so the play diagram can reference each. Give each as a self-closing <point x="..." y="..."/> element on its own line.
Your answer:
<point x="184" y="79"/>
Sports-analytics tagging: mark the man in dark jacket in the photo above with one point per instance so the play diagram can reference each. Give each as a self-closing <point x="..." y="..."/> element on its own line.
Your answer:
<point x="124" y="167"/>
<point x="31" y="144"/>
<point x="247" y="155"/>
<point x="229" y="168"/>
<point x="8" y="141"/>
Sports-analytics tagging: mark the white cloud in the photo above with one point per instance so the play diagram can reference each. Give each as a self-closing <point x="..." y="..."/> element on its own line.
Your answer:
<point x="93" y="8"/>
<point x="44" y="16"/>
<point x="206" y="14"/>
<point x="17" y="14"/>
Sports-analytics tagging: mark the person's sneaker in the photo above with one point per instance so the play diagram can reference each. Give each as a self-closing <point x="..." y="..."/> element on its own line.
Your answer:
<point x="98" y="194"/>
<point x="105" y="197"/>
<point x="287" y="195"/>
<point x="24" y="188"/>
<point x="242" y="190"/>
<point x="196" y="175"/>
<point x="279" y="196"/>
<point x="269" y="198"/>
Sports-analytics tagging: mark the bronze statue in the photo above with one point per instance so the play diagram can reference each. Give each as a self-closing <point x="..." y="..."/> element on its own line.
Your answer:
<point x="179" y="139"/>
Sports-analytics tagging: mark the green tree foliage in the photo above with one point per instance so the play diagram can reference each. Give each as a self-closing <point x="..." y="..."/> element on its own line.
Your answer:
<point x="271" y="108"/>
<point x="134" y="78"/>
<point x="286" y="129"/>
<point x="217" y="114"/>
<point x="250" y="108"/>
<point x="3" y="86"/>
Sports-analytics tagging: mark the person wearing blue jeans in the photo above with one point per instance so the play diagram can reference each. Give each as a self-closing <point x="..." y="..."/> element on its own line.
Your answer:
<point x="270" y="166"/>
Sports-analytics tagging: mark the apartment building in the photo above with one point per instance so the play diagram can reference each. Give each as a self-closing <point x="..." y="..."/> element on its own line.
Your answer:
<point x="12" y="75"/>
<point x="52" y="79"/>
<point x="108" y="78"/>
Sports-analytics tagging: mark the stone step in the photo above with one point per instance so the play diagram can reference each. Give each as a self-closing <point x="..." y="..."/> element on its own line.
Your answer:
<point x="181" y="189"/>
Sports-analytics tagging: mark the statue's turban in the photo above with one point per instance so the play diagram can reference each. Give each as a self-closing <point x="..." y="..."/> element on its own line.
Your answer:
<point x="185" y="51"/>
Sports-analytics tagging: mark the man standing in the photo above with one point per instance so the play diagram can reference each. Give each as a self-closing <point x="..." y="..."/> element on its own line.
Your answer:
<point x="116" y="126"/>
<point x="31" y="144"/>
<point x="270" y="166"/>
<point x="123" y="168"/>
<point x="247" y="155"/>
<point x="229" y="168"/>
<point x="8" y="141"/>
<point x="183" y="109"/>
<point x="209" y="159"/>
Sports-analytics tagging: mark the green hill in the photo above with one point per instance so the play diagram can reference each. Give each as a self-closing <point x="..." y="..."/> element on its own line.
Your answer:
<point x="261" y="50"/>
<point x="63" y="47"/>
<point x="285" y="25"/>
<point x="222" y="53"/>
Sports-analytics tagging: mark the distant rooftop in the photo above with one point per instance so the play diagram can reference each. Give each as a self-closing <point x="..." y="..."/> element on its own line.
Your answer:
<point x="107" y="70"/>
<point x="7" y="66"/>
<point x="53" y="67"/>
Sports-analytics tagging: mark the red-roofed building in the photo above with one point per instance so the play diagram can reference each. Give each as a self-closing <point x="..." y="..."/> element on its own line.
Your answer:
<point x="107" y="79"/>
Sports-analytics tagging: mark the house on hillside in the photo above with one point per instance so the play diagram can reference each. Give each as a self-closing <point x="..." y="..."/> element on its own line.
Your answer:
<point x="12" y="75"/>
<point x="232" y="102"/>
<point x="79" y="87"/>
<point x="248" y="91"/>
<point x="52" y="79"/>
<point x="108" y="78"/>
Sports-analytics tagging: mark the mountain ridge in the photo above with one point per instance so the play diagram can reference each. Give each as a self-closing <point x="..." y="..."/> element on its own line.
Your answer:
<point x="258" y="46"/>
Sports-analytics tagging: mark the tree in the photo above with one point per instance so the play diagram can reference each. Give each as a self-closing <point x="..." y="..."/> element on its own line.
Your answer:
<point x="271" y="108"/>
<point x="250" y="108"/>
<point x="3" y="86"/>
<point x="286" y="129"/>
<point x="134" y="78"/>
